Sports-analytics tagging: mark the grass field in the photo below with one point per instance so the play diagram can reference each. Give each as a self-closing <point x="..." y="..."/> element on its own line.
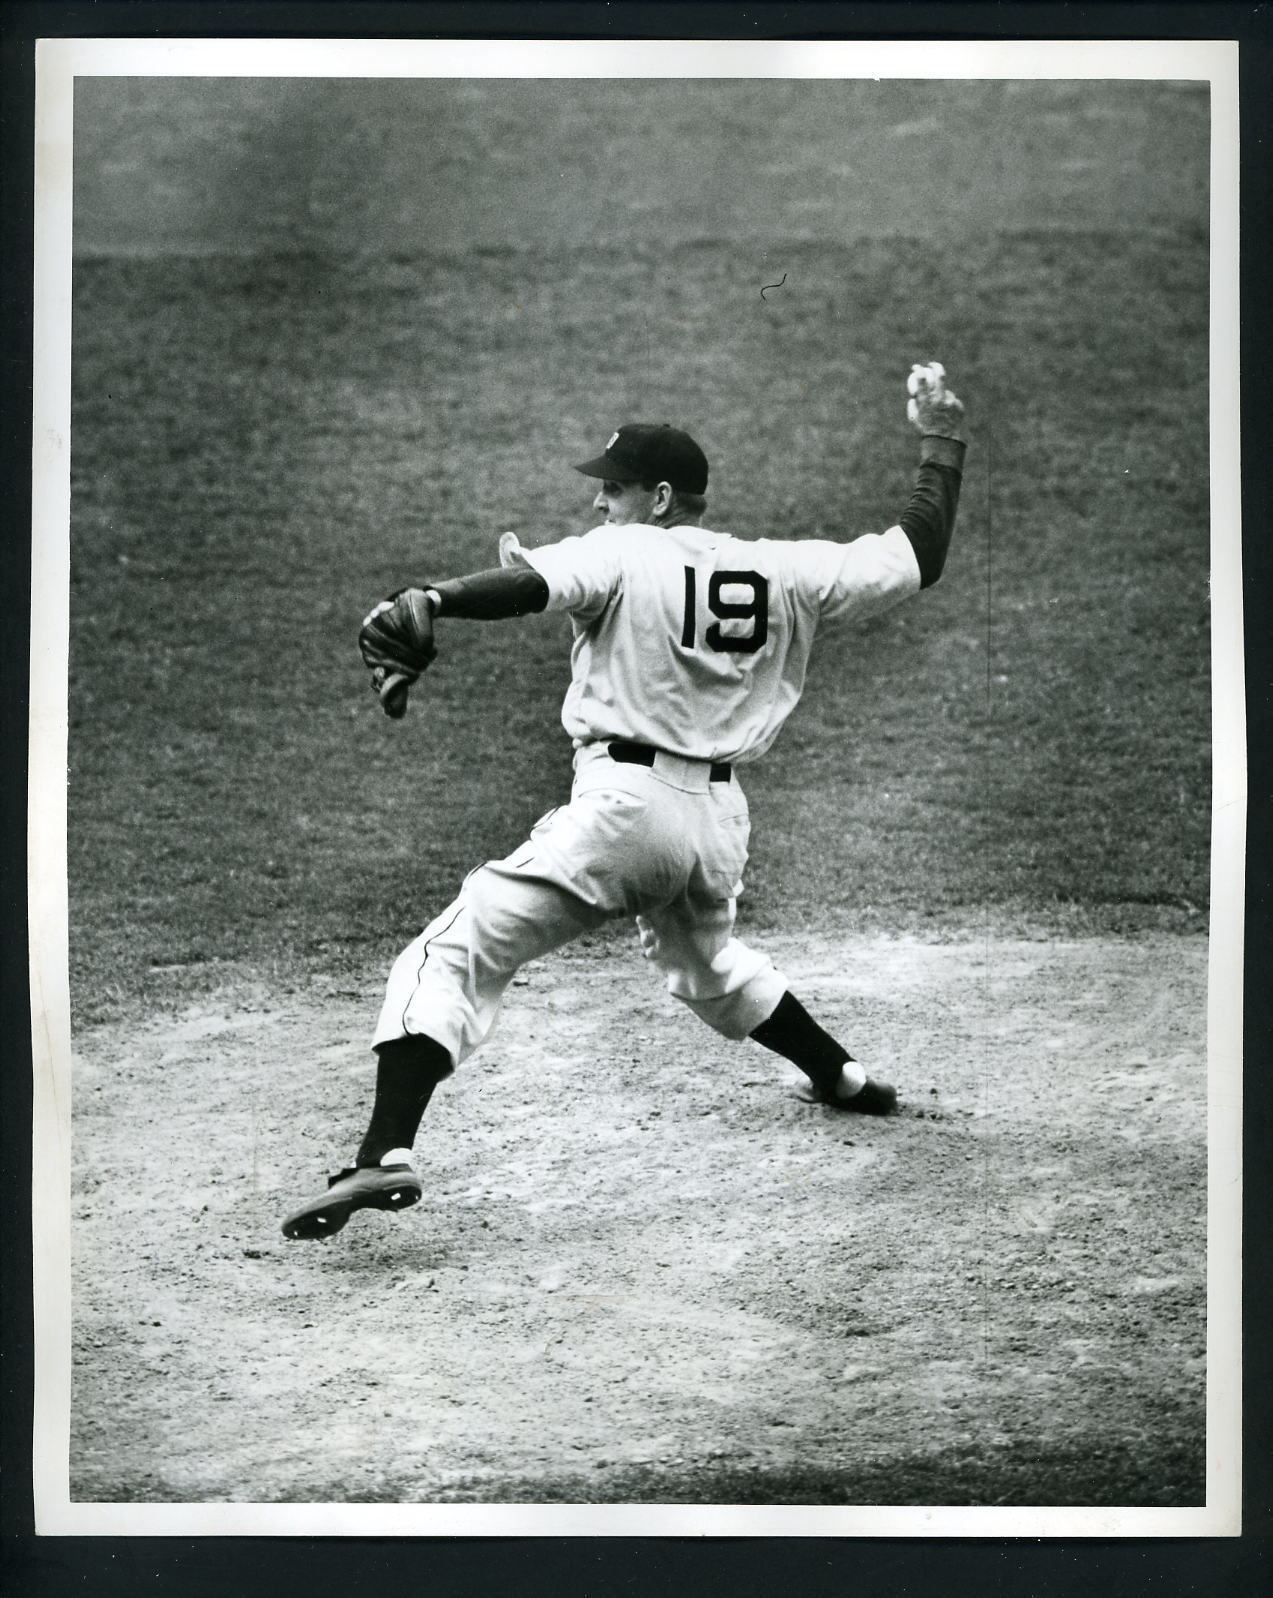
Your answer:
<point x="301" y="379"/>
<point x="263" y="442"/>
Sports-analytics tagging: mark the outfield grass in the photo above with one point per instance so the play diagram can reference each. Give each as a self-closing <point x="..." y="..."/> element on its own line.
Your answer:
<point x="243" y="165"/>
<point x="264" y="443"/>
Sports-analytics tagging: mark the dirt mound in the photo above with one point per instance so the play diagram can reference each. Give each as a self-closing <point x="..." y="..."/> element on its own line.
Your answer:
<point x="643" y="1268"/>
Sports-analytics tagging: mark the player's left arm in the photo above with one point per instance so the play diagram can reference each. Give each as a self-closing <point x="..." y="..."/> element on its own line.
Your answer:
<point x="396" y="640"/>
<point x="498" y="594"/>
<point x="516" y="587"/>
<point x="575" y="574"/>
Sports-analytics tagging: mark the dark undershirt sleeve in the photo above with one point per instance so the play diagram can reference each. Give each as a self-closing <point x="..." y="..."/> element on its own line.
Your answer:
<point x="494" y="595"/>
<point x="929" y="517"/>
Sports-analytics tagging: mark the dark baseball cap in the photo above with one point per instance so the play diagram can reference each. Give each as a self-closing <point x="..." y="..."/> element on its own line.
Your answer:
<point x="650" y="452"/>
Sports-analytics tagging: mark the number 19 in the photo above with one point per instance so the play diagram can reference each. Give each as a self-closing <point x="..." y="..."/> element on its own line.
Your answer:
<point x="754" y="610"/>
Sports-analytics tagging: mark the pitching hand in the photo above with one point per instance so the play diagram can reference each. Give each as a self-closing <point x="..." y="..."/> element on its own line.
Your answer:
<point x="933" y="408"/>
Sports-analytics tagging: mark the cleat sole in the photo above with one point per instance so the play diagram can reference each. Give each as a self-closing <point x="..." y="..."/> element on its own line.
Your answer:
<point x="326" y="1216"/>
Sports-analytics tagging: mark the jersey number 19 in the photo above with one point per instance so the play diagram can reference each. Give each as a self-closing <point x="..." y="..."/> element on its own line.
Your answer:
<point x="755" y="610"/>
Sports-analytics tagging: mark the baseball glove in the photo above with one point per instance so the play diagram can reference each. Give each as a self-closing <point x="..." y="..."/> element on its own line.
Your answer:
<point x="397" y="644"/>
<point x="932" y="407"/>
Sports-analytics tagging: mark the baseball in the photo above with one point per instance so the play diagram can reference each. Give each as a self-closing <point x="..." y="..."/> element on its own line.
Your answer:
<point x="925" y="377"/>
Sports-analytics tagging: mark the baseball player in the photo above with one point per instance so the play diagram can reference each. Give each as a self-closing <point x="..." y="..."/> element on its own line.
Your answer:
<point x="690" y="651"/>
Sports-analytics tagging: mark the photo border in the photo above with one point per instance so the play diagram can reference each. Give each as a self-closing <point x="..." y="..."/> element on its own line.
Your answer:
<point x="1226" y="971"/>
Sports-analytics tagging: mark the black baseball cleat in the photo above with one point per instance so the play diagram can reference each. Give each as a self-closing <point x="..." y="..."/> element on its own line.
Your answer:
<point x="378" y="1187"/>
<point x="873" y="1098"/>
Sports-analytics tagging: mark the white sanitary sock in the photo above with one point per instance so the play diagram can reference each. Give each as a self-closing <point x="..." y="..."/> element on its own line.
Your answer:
<point x="852" y="1079"/>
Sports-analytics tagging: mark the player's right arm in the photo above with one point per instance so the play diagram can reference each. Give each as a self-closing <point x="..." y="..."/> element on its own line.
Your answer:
<point x="869" y="575"/>
<point x="929" y="518"/>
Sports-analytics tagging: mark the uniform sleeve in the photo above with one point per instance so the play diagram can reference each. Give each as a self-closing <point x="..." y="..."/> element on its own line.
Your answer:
<point x="583" y="574"/>
<point x="861" y="579"/>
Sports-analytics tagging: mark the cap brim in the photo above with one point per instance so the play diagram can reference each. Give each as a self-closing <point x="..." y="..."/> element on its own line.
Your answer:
<point x="601" y="467"/>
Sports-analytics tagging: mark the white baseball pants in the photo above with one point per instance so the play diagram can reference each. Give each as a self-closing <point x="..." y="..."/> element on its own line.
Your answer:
<point x="663" y="844"/>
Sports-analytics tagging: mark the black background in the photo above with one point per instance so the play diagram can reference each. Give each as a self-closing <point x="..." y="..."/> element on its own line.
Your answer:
<point x="193" y="1567"/>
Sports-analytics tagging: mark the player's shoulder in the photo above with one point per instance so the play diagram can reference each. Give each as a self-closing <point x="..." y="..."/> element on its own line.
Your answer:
<point x="616" y="535"/>
<point x="775" y="554"/>
<point x="645" y="539"/>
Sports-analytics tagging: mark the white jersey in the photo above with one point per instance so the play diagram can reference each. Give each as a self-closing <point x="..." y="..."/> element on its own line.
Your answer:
<point x="698" y="643"/>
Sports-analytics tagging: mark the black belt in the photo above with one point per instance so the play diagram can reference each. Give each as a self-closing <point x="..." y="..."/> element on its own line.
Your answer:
<point x="630" y="754"/>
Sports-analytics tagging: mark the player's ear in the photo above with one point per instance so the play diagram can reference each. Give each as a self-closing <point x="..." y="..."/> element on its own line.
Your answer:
<point x="663" y="496"/>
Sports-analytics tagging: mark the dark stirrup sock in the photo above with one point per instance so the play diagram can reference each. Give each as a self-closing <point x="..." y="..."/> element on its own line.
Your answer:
<point x="792" y="1032"/>
<point x="407" y="1071"/>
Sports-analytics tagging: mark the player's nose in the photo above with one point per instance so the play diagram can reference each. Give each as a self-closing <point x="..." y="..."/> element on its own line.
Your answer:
<point x="600" y="503"/>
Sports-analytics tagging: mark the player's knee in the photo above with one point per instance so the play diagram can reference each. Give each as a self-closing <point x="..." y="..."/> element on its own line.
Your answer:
<point x="737" y="1005"/>
<point x="733" y="1015"/>
<point x="420" y="1053"/>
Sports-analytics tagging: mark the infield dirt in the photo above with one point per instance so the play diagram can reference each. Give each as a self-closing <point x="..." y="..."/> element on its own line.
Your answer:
<point x="644" y="1270"/>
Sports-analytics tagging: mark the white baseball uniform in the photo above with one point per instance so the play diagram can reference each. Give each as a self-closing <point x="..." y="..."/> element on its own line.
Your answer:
<point x="693" y="646"/>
